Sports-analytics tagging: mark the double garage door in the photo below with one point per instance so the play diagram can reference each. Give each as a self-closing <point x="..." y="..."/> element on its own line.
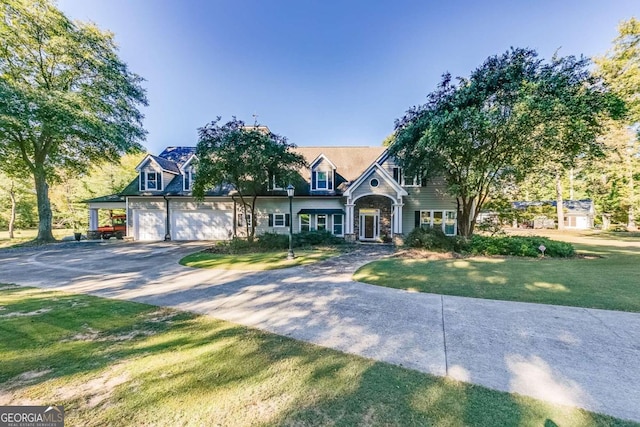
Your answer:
<point x="149" y="225"/>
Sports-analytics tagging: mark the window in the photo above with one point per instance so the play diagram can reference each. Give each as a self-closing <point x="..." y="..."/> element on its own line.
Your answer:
<point x="321" y="180"/>
<point x="273" y="184"/>
<point x="241" y="219"/>
<point x="305" y="224"/>
<point x="321" y="222"/>
<point x="189" y="176"/>
<point x="337" y="225"/>
<point x="413" y="181"/>
<point x="374" y="182"/>
<point x="150" y="181"/>
<point x="279" y="220"/>
<point x="443" y="220"/>
<point x="397" y="175"/>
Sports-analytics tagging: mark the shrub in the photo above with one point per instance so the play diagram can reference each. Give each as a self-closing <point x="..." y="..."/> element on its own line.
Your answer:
<point x="314" y="238"/>
<point x="273" y="241"/>
<point x="519" y="246"/>
<point x="433" y="239"/>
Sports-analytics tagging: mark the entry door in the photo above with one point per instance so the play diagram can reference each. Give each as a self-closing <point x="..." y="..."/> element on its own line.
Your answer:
<point x="369" y="226"/>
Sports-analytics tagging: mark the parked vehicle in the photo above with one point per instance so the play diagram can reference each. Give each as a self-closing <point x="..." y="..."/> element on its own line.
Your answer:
<point x="117" y="229"/>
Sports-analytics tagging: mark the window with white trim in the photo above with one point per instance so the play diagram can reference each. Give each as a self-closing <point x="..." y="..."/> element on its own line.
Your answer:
<point x="412" y="181"/>
<point x="189" y="176"/>
<point x="273" y="184"/>
<point x="279" y="220"/>
<point x="305" y="222"/>
<point x="338" y="225"/>
<point x="444" y="220"/>
<point x="150" y="181"/>
<point x="397" y="174"/>
<point x="321" y="180"/>
<point x="321" y="222"/>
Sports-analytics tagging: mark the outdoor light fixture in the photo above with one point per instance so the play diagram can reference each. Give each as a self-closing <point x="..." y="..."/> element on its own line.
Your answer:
<point x="290" y="191"/>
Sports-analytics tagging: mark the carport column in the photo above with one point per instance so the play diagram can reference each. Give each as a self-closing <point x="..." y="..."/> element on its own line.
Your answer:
<point x="349" y="221"/>
<point x="93" y="219"/>
<point x="397" y="218"/>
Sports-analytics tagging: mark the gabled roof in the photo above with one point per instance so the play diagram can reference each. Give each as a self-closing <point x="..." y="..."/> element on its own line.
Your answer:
<point x="178" y="155"/>
<point x="377" y="168"/>
<point x="350" y="162"/>
<point x="164" y="164"/>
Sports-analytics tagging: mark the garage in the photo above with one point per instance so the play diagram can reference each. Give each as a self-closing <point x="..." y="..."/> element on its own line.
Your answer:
<point x="201" y="225"/>
<point x="149" y="225"/>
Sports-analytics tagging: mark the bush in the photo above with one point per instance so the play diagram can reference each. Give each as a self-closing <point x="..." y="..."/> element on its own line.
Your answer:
<point x="314" y="238"/>
<point x="434" y="239"/>
<point x="519" y="246"/>
<point x="273" y="241"/>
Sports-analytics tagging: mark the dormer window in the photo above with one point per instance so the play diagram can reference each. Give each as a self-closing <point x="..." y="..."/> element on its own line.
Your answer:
<point x="273" y="184"/>
<point x="189" y="176"/>
<point x="321" y="180"/>
<point x="150" y="181"/>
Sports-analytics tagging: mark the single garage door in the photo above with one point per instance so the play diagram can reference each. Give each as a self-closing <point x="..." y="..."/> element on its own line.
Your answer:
<point x="201" y="225"/>
<point x="149" y="225"/>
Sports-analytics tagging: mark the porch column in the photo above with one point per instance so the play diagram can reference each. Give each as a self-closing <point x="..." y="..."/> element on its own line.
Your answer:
<point x="349" y="219"/>
<point x="93" y="219"/>
<point x="397" y="218"/>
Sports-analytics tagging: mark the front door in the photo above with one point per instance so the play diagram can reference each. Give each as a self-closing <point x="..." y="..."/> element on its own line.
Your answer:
<point x="369" y="224"/>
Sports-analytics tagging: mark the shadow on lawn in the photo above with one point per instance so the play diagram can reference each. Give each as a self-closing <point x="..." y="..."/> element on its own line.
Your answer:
<point x="188" y="369"/>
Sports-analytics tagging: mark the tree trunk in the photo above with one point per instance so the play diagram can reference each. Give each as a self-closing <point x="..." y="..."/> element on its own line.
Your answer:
<point x="571" y="184"/>
<point x="466" y="219"/>
<point x="559" y="202"/>
<point x="12" y="218"/>
<point x="44" y="205"/>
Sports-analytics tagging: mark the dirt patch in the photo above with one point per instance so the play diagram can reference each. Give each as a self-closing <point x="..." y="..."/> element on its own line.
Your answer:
<point x="7" y="389"/>
<point x="96" y="390"/>
<point x="162" y="316"/>
<point x="25" y="314"/>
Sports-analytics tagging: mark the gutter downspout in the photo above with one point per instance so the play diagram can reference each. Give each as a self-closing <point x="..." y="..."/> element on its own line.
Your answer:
<point x="167" y="236"/>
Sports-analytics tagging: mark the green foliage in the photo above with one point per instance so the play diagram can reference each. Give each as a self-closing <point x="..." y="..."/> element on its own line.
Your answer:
<point x="434" y="239"/>
<point x="492" y="129"/>
<point x="525" y="246"/>
<point x="273" y="241"/>
<point x="67" y="101"/>
<point x="246" y="158"/>
<point x="316" y="238"/>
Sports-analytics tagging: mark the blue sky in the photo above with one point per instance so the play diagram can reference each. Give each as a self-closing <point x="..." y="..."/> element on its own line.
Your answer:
<point x="325" y="72"/>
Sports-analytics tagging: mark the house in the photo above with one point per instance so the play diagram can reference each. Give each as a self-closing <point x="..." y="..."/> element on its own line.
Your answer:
<point x="358" y="193"/>
<point x="578" y="214"/>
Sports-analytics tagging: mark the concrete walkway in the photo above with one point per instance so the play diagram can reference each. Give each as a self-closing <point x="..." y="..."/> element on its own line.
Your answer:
<point x="574" y="356"/>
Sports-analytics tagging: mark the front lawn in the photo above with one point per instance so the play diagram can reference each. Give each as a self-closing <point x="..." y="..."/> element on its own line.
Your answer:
<point x="607" y="278"/>
<point x="25" y="236"/>
<point x="256" y="260"/>
<point x="123" y="363"/>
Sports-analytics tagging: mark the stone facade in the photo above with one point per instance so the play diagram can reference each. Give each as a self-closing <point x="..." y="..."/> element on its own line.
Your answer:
<point x="374" y="202"/>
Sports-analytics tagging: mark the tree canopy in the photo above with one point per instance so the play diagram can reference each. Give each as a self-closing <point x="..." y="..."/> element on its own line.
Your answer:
<point x="511" y="116"/>
<point x="249" y="158"/>
<point x="66" y="99"/>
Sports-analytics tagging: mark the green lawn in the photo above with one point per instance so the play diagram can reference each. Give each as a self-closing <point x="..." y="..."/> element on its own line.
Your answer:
<point x="24" y="236"/>
<point x="122" y="363"/>
<point x="256" y="261"/>
<point x="610" y="279"/>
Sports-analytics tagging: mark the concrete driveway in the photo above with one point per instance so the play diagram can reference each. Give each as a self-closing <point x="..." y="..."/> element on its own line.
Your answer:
<point x="574" y="356"/>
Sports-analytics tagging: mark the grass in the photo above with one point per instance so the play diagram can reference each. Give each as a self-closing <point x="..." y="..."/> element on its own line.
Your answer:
<point x="123" y="363"/>
<point x="256" y="260"/>
<point x="608" y="279"/>
<point x="24" y="236"/>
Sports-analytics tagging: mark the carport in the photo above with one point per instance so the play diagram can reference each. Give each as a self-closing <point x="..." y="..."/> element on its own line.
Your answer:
<point x="111" y="202"/>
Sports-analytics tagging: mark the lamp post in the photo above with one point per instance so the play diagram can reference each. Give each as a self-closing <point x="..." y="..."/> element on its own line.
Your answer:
<point x="290" y="191"/>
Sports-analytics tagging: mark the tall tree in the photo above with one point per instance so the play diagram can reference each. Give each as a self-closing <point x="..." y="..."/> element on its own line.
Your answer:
<point x="66" y="99"/>
<point x="249" y="159"/>
<point x="509" y="117"/>
<point x="620" y="68"/>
